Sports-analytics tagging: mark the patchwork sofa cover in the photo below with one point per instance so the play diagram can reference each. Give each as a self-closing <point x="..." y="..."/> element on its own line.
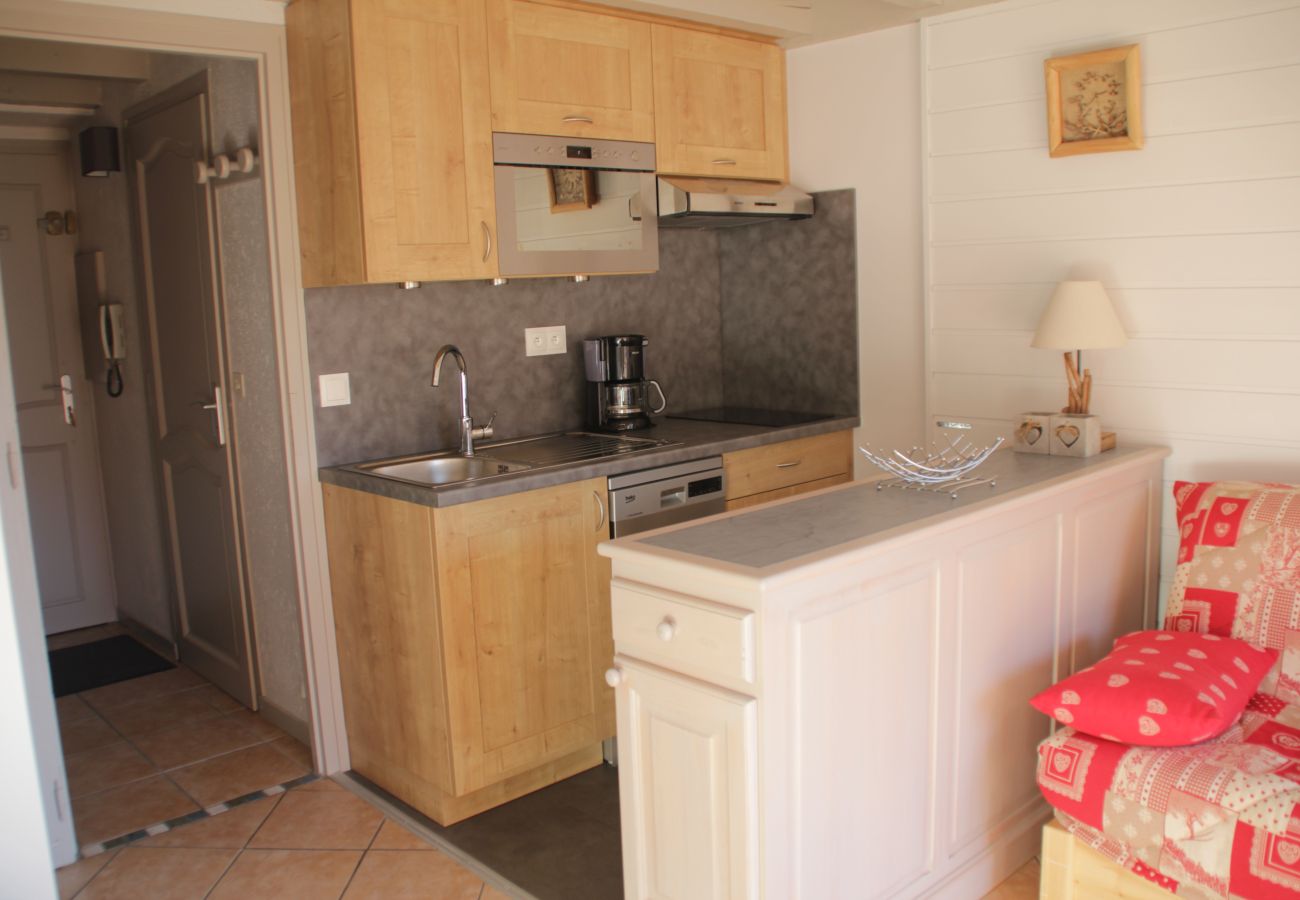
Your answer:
<point x="1221" y="818"/>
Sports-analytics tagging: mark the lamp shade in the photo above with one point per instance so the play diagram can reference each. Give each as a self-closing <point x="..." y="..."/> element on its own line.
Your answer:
<point x="1079" y="317"/>
<point x="99" y="154"/>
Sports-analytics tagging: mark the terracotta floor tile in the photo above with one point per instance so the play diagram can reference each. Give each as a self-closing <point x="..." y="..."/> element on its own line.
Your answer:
<point x="493" y="893"/>
<point x="395" y="836"/>
<point x="236" y="774"/>
<point x="86" y="734"/>
<point x="220" y="699"/>
<point x="124" y="809"/>
<point x="72" y="708"/>
<point x="158" y="713"/>
<point x="257" y="725"/>
<point x="158" y="874"/>
<point x="319" y="821"/>
<point x="230" y="829"/>
<point x="106" y="767"/>
<point x="197" y="741"/>
<point x="288" y="875"/>
<point x="147" y="687"/>
<point x="320" y="786"/>
<point x="295" y="750"/>
<point x="75" y="876"/>
<point x="392" y="874"/>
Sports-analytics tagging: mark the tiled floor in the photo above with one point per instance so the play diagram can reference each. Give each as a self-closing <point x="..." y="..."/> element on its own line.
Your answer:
<point x="314" y="842"/>
<point x="142" y="751"/>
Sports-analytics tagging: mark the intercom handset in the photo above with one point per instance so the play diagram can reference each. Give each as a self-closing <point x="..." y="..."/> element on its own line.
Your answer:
<point x="112" y="339"/>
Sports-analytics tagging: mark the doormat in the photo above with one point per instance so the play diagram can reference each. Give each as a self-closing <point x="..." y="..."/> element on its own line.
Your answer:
<point x="86" y="666"/>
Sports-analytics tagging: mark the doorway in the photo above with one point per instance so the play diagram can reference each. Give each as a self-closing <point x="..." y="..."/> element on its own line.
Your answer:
<point x="162" y="565"/>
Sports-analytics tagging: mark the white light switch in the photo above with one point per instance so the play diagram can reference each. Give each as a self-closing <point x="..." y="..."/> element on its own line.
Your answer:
<point x="545" y="341"/>
<point x="335" y="390"/>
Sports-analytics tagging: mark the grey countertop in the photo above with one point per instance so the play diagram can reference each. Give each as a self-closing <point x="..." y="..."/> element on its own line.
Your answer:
<point x="697" y="439"/>
<point x="770" y="537"/>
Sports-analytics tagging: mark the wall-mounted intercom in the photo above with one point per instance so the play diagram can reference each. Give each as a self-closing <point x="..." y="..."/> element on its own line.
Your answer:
<point x="103" y="324"/>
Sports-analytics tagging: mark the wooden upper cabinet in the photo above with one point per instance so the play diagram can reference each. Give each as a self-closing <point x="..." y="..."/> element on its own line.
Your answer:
<point x="719" y="105"/>
<point x="392" y="140"/>
<point x="560" y="71"/>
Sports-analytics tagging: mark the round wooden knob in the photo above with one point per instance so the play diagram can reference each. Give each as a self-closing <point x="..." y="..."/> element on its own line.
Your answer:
<point x="613" y="677"/>
<point x="667" y="628"/>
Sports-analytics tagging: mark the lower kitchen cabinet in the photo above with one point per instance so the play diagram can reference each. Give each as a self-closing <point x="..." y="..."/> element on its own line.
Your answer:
<point x="775" y="471"/>
<point x="688" y="751"/>
<point x="472" y="642"/>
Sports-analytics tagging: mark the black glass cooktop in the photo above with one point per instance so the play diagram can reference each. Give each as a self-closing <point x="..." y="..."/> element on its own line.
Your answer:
<point x="748" y="415"/>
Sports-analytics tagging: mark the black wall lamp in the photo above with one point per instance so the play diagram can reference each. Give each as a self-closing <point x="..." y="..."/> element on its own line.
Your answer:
<point x="99" y="154"/>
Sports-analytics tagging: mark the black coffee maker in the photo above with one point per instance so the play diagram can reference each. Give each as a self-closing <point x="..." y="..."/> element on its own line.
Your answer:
<point x="618" y="394"/>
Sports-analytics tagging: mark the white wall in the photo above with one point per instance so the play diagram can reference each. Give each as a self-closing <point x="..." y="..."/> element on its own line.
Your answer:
<point x="855" y="122"/>
<point x="1197" y="236"/>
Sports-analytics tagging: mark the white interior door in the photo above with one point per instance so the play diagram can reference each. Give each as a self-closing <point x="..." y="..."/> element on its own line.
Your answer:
<point x="60" y="460"/>
<point x="175" y="218"/>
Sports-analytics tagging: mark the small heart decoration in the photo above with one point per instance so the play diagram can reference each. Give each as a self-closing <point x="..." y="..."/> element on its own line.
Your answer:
<point x="1067" y="435"/>
<point x="1032" y="434"/>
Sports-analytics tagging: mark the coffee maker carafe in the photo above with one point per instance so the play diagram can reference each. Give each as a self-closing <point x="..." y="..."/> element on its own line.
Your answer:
<point x="618" y="394"/>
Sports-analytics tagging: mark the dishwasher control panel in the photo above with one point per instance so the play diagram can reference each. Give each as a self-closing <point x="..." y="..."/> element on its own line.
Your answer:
<point x="639" y="501"/>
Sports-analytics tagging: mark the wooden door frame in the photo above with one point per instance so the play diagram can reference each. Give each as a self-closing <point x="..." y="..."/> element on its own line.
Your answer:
<point x="264" y="44"/>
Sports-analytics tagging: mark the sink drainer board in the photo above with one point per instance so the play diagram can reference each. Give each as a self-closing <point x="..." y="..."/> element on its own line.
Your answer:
<point x="570" y="447"/>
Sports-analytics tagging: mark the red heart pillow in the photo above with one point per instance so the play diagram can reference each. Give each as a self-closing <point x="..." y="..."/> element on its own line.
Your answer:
<point x="1160" y="689"/>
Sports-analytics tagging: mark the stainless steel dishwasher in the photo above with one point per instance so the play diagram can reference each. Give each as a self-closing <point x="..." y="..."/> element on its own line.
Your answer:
<point x="665" y="495"/>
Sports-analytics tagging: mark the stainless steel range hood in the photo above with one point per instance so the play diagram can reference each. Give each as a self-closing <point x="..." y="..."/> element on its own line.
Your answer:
<point x="725" y="203"/>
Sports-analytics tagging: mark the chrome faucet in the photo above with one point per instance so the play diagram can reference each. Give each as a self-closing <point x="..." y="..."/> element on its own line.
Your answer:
<point x="468" y="433"/>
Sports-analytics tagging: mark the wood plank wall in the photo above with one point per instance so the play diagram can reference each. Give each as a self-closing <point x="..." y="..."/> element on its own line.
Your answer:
<point x="1197" y="236"/>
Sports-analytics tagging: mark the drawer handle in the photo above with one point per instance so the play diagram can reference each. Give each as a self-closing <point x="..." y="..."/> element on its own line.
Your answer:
<point x="576" y="120"/>
<point x="724" y="162"/>
<point x="614" y="677"/>
<point x="789" y="465"/>
<point x="666" y="629"/>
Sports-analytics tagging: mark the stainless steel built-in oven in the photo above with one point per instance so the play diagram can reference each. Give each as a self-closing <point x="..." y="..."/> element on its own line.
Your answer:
<point x="567" y="206"/>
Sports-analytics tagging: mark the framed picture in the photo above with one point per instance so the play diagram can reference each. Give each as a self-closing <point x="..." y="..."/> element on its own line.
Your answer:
<point x="1094" y="102"/>
<point x="571" y="189"/>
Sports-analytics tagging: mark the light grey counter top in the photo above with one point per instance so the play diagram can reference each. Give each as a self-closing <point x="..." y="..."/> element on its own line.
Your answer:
<point x="697" y="439"/>
<point x="771" y="537"/>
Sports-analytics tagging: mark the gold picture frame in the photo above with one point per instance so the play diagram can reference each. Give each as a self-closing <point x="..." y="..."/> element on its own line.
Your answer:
<point x="571" y="189"/>
<point x="1094" y="101"/>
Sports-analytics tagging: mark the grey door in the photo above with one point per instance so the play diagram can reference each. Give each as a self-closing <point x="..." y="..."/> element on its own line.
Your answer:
<point x="191" y="399"/>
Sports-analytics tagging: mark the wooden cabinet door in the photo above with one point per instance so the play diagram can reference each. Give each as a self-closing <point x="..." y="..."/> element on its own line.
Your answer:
<point x="569" y="72"/>
<point x="517" y="582"/>
<point x="424" y="138"/>
<point x="687" y="771"/>
<point x="719" y="105"/>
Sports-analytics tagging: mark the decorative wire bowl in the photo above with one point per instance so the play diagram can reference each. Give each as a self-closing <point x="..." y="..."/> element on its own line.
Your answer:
<point x="940" y="469"/>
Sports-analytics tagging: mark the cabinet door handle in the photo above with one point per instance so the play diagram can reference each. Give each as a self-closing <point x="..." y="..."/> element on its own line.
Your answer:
<point x="789" y="465"/>
<point x="487" y="241"/>
<point x="577" y="120"/>
<point x="724" y="162"/>
<point x="614" y="676"/>
<point x="667" y="629"/>
<point x="600" y="504"/>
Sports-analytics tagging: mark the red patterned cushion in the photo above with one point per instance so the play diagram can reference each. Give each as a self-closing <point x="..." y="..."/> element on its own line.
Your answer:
<point x="1160" y="689"/>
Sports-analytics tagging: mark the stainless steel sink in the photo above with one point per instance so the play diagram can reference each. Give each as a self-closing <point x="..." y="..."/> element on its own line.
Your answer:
<point x="504" y="457"/>
<point x="444" y="469"/>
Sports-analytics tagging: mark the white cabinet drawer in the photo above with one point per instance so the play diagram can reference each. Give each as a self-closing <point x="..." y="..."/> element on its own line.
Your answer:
<point x="695" y="637"/>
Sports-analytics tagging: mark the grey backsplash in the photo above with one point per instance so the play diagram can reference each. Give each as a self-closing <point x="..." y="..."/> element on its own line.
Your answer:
<point x="698" y="325"/>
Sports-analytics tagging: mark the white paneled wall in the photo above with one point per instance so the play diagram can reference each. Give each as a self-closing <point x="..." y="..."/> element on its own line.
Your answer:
<point x="1197" y="236"/>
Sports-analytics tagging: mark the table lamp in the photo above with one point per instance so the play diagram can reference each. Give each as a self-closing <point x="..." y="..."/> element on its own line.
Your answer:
<point x="1079" y="317"/>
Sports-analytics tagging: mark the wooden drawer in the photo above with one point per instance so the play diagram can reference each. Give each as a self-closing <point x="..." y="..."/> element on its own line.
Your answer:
<point x="695" y="637"/>
<point x="789" y="463"/>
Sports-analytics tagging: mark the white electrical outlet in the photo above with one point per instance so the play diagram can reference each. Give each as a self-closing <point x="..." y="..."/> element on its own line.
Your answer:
<point x="335" y="389"/>
<point x="545" y="341"/>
